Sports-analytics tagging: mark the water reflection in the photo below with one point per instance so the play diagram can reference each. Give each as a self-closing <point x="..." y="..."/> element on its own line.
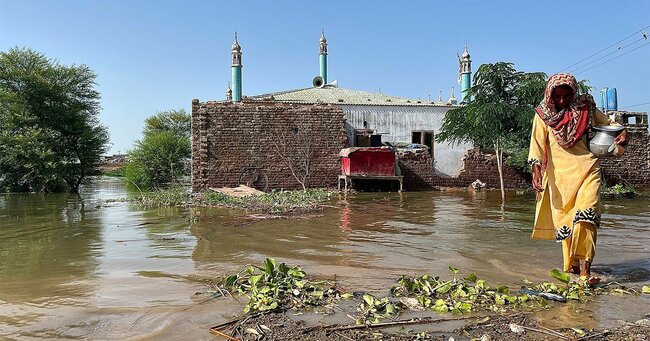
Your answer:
<point x="46" y="242"/>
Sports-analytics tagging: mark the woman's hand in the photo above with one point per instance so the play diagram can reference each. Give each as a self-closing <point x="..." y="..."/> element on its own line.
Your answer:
<point x="537" y="178"/>
<point x="622" y="139"/>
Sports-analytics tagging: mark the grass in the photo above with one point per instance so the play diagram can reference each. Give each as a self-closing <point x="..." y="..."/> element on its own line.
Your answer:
<point x="272" y="202"/>
<point x="116" y="172"/>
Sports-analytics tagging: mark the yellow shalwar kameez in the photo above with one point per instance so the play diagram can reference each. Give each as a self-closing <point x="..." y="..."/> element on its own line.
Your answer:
<point x="568" y="209"/>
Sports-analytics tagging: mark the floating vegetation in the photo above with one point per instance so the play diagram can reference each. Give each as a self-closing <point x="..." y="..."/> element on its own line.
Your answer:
<point x="281" y="286"/>
<point x="271" y="287"/>
<point x="620" y="190"/>
<point x="272" y="202"/>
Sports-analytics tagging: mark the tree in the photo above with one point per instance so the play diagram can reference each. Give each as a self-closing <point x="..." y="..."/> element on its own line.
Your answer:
<point x="175" y="121"/>
<point x="500" y="112"/>
<point x="296" y="150"/>
<point x="50" y="135"/>
<point x="158" y="159"/>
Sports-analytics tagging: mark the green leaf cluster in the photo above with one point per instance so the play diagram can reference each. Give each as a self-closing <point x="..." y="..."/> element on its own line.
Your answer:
<point x="278" y="286"/>
<point x="50" y="134"/>
<point x="456" y="296"/>
<point x="158" y="159"/>
<point x="373" y="309"/>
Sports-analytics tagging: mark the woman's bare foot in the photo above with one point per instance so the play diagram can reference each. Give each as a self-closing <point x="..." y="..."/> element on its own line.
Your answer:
<point x="592" y="281"/>
<point x="586" y="271"/>
<point x="575" y="269"/>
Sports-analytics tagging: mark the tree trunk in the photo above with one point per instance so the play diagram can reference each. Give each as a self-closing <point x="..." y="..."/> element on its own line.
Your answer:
<point x="499" y="153"/>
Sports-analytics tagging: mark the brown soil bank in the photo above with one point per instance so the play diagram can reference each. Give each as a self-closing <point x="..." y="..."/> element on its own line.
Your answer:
<point x="519" y="326"/>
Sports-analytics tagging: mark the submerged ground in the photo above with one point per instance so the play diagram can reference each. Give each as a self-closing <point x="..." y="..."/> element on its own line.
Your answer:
<point x="79" y="267"/>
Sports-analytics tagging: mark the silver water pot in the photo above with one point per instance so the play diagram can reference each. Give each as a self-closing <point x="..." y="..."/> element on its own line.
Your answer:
<point x="602" y="144"/>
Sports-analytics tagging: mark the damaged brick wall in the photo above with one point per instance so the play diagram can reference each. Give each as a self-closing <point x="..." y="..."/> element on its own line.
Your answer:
<point x="228" y="138"/>
<point x="418" y="172"/>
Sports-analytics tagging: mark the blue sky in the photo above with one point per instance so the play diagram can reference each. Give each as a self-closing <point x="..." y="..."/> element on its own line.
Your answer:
<point x="158" y="55"/>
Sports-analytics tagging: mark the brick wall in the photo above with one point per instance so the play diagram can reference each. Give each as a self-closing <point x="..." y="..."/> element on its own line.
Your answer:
<point x="633" y="168"/>
<point x="419" y="174"/>
<point x="228" y="138"/>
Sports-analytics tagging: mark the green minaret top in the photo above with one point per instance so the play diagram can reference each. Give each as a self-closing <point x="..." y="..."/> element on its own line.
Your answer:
<point x="323" y="43"/>
<point x="236" y="53"/>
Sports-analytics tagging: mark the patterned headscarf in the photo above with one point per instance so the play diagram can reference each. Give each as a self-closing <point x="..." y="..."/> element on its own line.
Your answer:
<point x="568" y="125"/>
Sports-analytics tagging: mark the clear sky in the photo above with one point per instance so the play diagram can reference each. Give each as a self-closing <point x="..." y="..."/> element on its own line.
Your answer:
<point x="158" y="55"/>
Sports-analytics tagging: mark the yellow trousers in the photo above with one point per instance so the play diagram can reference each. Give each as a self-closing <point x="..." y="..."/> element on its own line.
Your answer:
<point x="581" y="245"/>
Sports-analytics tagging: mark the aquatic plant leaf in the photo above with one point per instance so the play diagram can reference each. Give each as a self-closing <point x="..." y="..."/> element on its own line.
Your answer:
<point x="370" y="301"/>
<point x="346" y="296"/>
<point x="230" y="280"/>
<point x="444" y="289"/>
<point x="296" y="272"/>
<point x="645" y="289"/>
<point x="269" y="265"/>
<point x="254" y="279"/>
<point x="471" y="277"/>
<point x="502" y="289"/>
<point x="560" y="275"/>
<point x="453" y="269"/>
<point x="283" y="269"/>
<point x="390" y="309"/>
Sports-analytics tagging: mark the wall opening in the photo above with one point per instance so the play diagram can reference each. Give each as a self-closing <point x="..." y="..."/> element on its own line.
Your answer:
<point x="424" y="137"/>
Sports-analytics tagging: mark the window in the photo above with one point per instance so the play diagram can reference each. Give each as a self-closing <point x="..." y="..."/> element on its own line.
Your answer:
<point x="424" y="137"/>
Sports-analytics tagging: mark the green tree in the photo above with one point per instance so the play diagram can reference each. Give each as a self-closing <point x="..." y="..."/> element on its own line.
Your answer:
<point x="500" y="112"/>
<point x="158" y="159"/>
<point x="175" y="121"/>
<point x="50" y="135"/>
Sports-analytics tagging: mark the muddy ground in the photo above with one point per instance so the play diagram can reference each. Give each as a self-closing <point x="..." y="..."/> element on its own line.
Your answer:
<point x="519" y="326"/>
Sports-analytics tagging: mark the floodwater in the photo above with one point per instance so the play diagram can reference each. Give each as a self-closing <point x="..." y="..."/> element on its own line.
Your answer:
<point x="79" y="267"/>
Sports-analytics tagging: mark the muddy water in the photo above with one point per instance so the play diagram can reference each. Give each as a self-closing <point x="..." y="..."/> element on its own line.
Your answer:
<point x="76" y="267"/>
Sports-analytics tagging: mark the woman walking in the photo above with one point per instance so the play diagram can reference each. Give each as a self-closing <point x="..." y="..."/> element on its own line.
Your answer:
<point x="566" y="174"/>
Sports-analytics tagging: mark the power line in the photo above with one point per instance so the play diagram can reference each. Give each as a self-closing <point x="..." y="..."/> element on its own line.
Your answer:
<point x="634" y="105"/>
<point x="574" y="64"/>
<point x="609" y="60"/>
<point x="607" y="55"/>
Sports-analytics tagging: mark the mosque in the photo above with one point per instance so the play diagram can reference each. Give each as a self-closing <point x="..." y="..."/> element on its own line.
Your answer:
<point x="372" y="117"/>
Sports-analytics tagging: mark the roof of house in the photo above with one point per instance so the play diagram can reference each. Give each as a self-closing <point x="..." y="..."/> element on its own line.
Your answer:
<point x="335" y="95"/>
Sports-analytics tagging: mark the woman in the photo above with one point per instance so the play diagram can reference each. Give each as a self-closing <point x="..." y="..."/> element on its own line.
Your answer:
<point x="566" y="174"/>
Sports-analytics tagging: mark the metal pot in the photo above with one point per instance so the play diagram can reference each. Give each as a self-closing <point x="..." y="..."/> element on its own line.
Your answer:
<point x="602" y="144"/>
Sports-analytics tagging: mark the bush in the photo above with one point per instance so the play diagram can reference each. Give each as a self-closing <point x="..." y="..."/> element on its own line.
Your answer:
<point x="158" y="159"/>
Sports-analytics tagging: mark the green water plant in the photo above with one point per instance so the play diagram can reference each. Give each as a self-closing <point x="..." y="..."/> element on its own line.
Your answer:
<point x="373" y="309"/>
<point x="278" y="286"/>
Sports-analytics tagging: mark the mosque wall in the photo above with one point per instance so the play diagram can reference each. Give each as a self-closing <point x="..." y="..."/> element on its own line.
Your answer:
<point x="397" y="123"/>
<point x="233" y="143"/>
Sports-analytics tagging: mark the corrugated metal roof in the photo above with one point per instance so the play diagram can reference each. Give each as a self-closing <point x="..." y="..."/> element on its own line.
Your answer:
<point x="334" y="95"/>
